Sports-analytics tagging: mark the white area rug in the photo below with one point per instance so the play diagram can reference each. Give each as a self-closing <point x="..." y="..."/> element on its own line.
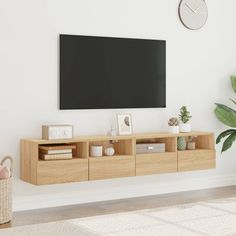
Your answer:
<point x="216" y="218"/>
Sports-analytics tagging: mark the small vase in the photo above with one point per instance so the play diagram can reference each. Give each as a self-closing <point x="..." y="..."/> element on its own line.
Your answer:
<point x="109" y="151"/>
<point x="185" y="127"/>
<point x="181" y="143"/>
<point x="174" y="129"/>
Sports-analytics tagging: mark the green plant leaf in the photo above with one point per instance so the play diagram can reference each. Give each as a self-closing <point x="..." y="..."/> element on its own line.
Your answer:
<point x="226" y="115"/>
<point x="224" y="134"/>
<point x="233" y="101"/>
<point x="229" y="142"/>
<point x="233" y="82"/>
<point x="184" y="115"/>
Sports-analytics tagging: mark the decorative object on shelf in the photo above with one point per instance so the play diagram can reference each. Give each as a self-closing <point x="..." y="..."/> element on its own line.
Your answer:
<point x="193" y="13"/>
<point x="96" y="150"/>
<point x="185" y="117"/>
<point x="173" y="125"/>
<point x="109" y="151"/>
<point x="6" y="193"/>
<point x="51" y="132"/>
<point x="113" y="132"/>
<point x="181" y="143"/>
<point x="227" y="116"/>
<point x="191" y="145"/>
<point x="113" y="124"/>
<point x="150" y="148"/>
<point x="124" y="124"/>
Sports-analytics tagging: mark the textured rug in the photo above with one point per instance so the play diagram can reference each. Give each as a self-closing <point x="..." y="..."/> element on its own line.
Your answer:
<point x="208" y="218"/>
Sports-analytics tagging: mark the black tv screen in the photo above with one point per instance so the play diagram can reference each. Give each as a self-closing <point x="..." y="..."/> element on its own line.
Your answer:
<point x="105" y="72"/>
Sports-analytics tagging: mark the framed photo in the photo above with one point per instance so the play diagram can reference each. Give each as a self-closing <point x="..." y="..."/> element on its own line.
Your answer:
<point x="124" y="124"/>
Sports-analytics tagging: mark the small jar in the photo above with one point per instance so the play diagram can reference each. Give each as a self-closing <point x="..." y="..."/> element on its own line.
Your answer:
<point x="191" y="145"/>
<point x="109" y="151"/>
<point x="96" y="150"/>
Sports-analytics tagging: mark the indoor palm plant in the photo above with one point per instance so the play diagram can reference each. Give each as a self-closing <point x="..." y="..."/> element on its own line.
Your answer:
<point x="227" y="116"/>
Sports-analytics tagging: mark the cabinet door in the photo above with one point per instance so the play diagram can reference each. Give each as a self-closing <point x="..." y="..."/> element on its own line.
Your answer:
<point x="62" y="171"/>
<point x="111" y="167"/>
<point x="196" y="160"/>
<point x="156" y="163"/>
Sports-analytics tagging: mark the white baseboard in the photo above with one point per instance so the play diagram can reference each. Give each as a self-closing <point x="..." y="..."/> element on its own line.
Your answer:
<point x="145" y="188"/>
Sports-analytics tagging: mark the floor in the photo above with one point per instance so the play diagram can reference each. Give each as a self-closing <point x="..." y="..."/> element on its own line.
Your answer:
<point x="109" y="207"/>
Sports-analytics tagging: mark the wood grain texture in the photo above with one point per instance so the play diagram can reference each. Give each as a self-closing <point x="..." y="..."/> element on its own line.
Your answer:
<point x="196" y="160"/>
<point x="170" y="143"/>
<point x="121" y="137"/>
<point x="124" y="164"/>
<point x="24" y="161"/>
<point x="156" y="163"/>
<point x="111" y="167"/>
<point x="28" y="160"/>
<point x="124" y="147"/>
<point x="81" y="151"/>
<point x="205" y="142"/>
<point x="63" y="171"/>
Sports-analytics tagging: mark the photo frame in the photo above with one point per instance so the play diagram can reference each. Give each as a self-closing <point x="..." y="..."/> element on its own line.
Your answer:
<point x="125" y="126"/>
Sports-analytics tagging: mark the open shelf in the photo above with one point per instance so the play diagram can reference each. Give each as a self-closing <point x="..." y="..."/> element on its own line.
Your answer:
<point x="122" y="147"/>
<point x="79" y="150"/>
<point x="202" y="141"/>
<point x="170" y="142"/>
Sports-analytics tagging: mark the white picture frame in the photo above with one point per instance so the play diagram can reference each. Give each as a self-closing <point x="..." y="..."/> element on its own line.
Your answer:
<point x="124" y="122"/>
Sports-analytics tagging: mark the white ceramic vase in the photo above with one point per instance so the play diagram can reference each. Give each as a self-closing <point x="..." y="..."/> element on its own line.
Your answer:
<point x="185" y="127"/>
<point x="109" y="151"/>
<point x="174" y="129"/>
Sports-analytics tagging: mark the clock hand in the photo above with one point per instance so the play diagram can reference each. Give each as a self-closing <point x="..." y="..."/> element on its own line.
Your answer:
<point x="190" y="8"/>
<point x="195" y="11"/>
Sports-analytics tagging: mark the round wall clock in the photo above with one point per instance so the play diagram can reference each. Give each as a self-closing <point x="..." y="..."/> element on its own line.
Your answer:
<point x="193" y="13"/>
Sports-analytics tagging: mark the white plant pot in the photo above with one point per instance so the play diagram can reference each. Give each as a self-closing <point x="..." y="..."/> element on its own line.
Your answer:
<point x="185" y="128"/>
<point x="174" y="129"/>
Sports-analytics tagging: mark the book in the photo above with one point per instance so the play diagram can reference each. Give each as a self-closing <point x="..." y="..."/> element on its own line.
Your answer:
<point x="50" y="147"/>
<point x="61" y="156"/>
<point x="56" y="151"/>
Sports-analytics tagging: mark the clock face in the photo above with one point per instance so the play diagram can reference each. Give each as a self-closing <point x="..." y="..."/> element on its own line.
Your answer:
<point x="193" y="13"/>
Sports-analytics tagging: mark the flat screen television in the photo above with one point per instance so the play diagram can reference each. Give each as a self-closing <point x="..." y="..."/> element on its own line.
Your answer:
<point x="106" y="72"/>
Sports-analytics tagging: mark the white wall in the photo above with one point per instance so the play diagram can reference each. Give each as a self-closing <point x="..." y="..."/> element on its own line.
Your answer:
<point x="198" y="67"/>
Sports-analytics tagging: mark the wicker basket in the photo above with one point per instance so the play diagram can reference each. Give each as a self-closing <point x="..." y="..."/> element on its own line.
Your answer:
<point x="6" y="196"/>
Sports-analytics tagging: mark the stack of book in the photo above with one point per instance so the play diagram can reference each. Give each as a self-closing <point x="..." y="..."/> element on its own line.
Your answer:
<point x="56" y="152"/>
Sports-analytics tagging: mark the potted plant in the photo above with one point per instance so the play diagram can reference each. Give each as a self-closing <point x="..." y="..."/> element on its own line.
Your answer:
<point x="227" y="116"/>
<point x="185" y="117"/>
<point x="173" y="125"/>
